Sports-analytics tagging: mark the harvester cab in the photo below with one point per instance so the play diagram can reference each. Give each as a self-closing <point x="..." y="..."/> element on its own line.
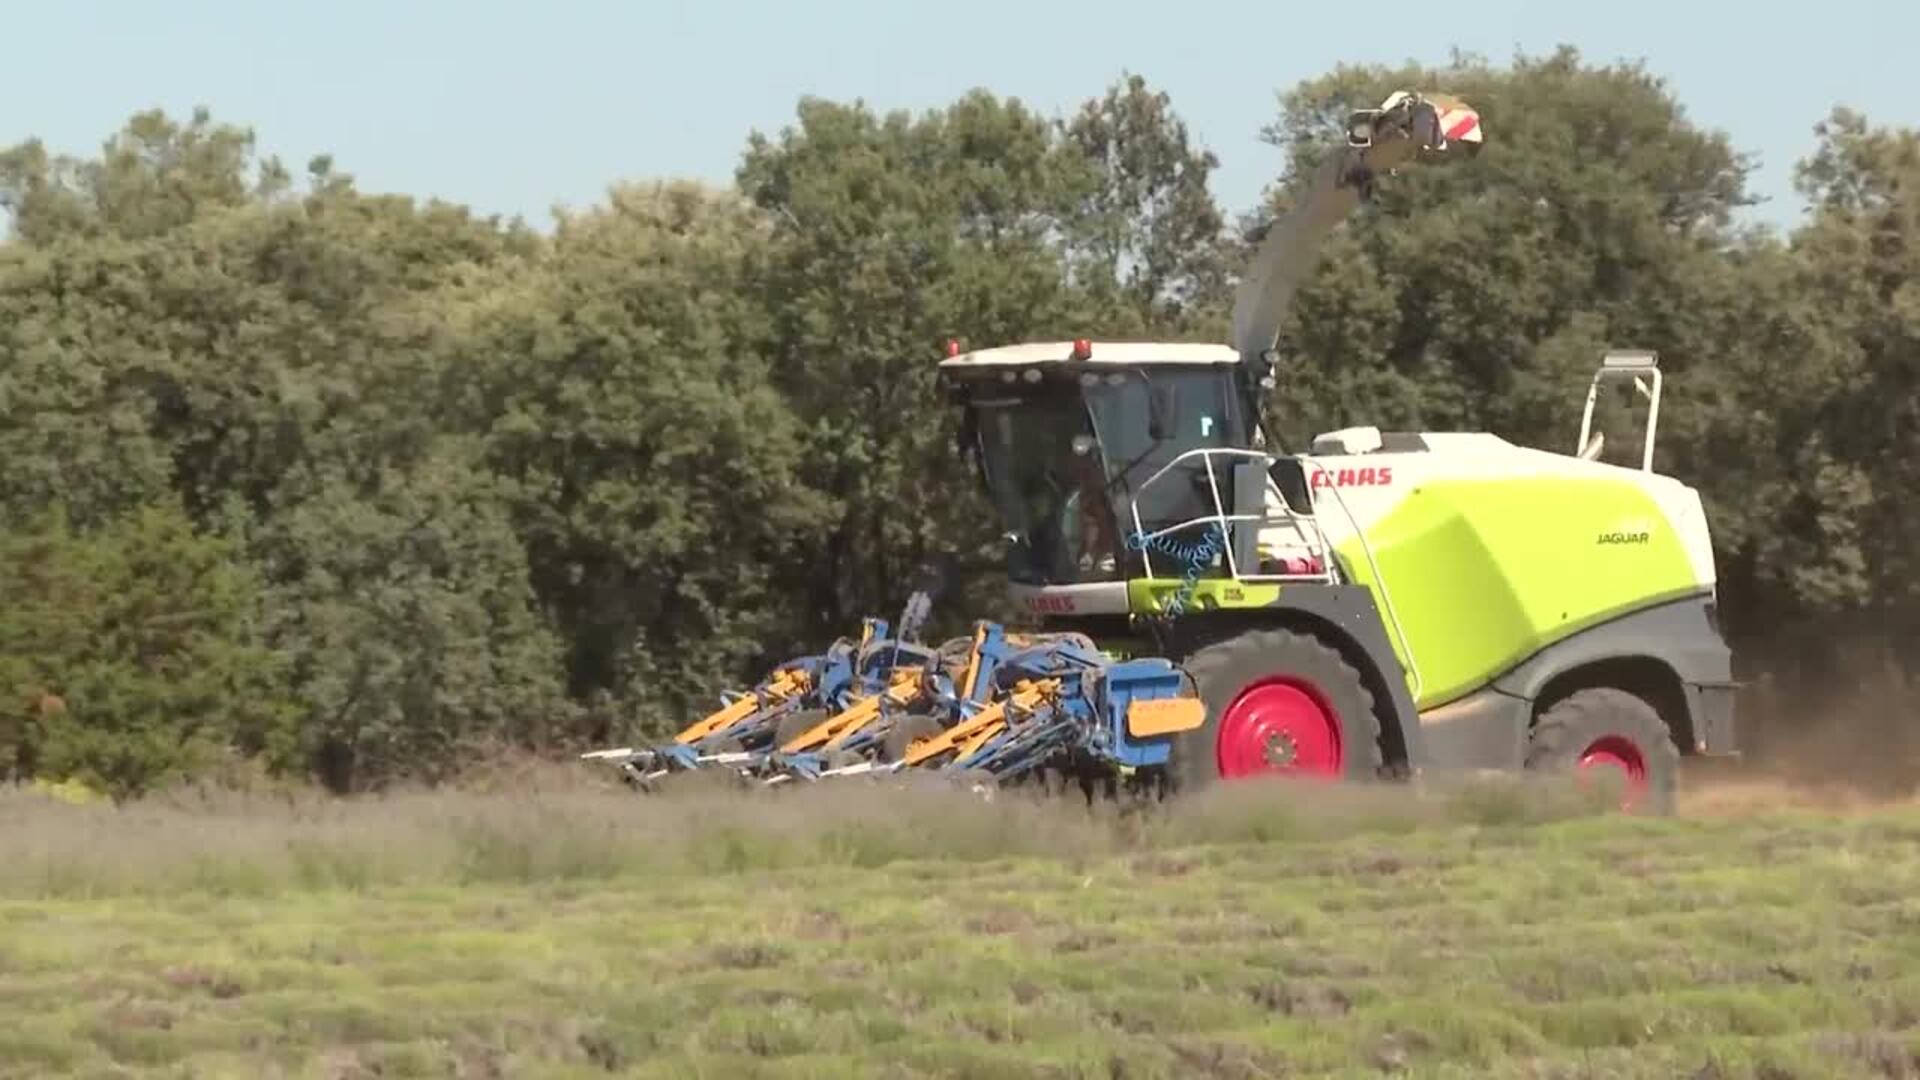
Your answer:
<point x="1067" y="437"/>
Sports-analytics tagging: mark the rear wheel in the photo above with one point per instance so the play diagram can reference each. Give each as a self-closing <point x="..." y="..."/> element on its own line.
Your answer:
<point x="1604" y="732"/>
<point x="1279" y="703"/>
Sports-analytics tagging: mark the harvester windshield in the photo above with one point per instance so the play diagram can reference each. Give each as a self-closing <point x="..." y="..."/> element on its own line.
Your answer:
<point x="1064" y="456"/>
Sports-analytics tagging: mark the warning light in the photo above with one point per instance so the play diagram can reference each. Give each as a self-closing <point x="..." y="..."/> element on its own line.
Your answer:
<point x="953" y="346"/>
<point x="1082" y="349"/>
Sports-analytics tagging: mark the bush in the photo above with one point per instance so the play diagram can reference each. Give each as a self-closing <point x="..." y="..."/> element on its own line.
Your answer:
<point x="129" y="656"/>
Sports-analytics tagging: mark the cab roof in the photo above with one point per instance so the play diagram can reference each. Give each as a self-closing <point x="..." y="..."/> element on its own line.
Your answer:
<point x="1117" y="353"/>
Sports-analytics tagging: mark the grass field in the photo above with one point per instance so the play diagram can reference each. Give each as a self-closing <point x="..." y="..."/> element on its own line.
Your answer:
<point x="1482" y="932"/>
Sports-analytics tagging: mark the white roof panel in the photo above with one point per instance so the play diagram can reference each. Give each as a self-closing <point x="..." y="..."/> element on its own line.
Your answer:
<point x="1104" y="352"/>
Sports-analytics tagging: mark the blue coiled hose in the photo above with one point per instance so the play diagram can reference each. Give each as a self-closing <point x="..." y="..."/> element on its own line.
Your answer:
<point x="1196" y="557"/>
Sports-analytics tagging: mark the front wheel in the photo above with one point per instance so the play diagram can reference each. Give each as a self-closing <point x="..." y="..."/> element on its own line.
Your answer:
<point x="1279" y="703"/>
<point x="1606" y="732"/>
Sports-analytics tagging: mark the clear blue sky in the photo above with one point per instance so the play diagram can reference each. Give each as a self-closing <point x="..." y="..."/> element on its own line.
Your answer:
<point x="514" y="107"/>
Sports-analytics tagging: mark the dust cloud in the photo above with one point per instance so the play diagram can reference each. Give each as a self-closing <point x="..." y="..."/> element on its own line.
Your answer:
<point x="1853" y="747"/>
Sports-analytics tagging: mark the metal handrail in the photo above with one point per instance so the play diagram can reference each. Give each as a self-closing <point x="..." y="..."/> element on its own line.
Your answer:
<point x="1221" y="518"/>
<point x="1627" y="369"/>
<point x="1223" y="451"/>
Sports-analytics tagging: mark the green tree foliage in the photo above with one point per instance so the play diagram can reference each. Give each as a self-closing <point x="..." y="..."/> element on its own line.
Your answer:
<point x="131" y="655"/>
<point x="1146" y="234"/>
<point x="79" y="427"/>
<point x="625" y="392"/>
<point x="1478" y="296"/>
<point x="403" y="604"/>
<point x="276" y="363"/>
<point x="153" y="176"/>
<point x="1829" y="388"/>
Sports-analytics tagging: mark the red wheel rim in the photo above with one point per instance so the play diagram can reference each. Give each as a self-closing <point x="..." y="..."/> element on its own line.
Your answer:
<point x="1279" y="725"/>
<point x="1618" y="753"/>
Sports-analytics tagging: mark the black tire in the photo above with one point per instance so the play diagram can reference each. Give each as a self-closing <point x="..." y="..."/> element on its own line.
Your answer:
<point x="1565" y="732"/>
<point x="795" y="724"/>
<point x="908" y="728"/>
<point x="1221" y="670"/>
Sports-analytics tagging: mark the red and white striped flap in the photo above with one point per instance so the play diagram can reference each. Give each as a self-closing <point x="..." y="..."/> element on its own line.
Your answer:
<point x="1458" y="122"/>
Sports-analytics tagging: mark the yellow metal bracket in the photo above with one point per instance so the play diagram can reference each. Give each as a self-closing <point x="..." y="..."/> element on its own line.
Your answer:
<point x="1147" y="717"/>
<point x="975" y="730"/>
<point x="786" y="684"/>
<point x="836" y="729"/>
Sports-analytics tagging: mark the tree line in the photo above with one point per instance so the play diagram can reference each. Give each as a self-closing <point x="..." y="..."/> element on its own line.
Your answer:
<point x="312" y="480"/>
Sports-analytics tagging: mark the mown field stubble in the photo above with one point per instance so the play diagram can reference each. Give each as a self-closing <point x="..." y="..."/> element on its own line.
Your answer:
<point x="1487" y="931"/>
